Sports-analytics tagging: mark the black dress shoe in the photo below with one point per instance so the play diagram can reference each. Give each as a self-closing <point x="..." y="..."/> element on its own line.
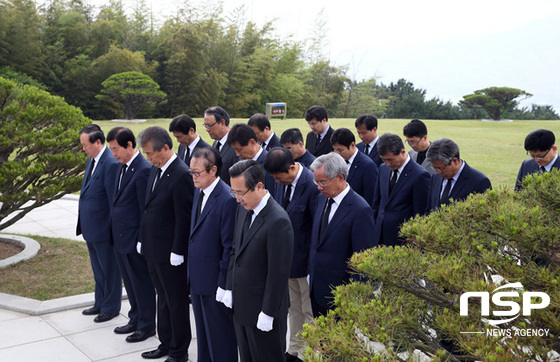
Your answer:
<point x="140" y="336"/>
<point x="126" y="329"/>
<point x="173" y="359"/>
<point x="104" y="317"/>
<point x="91" y="311"/>
<point x="156" y="353"/>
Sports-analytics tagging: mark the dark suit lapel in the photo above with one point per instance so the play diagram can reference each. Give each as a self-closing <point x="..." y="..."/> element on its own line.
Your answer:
<point x="404" y="178"/>
<point x="88" y="166"/>
<point x="354" y="167"/>
<point x="462" y="181"/>
<point x="338" y="216"/>
<point x="255" y="226"/>
<point x="209" y="205"/>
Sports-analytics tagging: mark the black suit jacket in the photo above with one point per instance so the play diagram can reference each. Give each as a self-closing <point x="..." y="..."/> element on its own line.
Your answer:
<point x="325" y="145"/>
<point x="128" y="204"/>
<point x="167" y="213"/>
<point x="259" y="266"/>
<point x="373" y="153"/>
<point x="274" y="142"/>
<point x="528" y="167"/>
<point x="362" y="176"/>
<point x="228" y="159"/>
<point x="183" y="149"/>
<point x="470" y="181"/>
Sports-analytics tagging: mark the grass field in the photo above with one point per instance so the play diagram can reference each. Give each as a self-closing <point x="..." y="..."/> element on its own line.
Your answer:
<point x="494" y="148"/>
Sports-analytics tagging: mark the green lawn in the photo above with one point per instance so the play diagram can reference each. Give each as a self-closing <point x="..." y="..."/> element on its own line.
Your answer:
<point x="494" y="148"/>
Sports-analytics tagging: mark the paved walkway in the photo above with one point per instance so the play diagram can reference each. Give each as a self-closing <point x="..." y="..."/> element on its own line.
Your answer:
<point x="56" y="330"/>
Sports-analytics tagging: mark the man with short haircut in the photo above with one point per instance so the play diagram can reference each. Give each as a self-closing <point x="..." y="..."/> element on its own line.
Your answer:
<point x="362" y="171"/>
<point x="454" y="179"/>
<point x="401" y="190"/>
<point x="297" y="193"/>
<point x="266" y="137"/>
<point x="165" y="233"/>
<point x="318" y="141"/>
<point x="259" y="268"/>
<point x="292" y="140"/>
<point x="184" y="130"/>
<point x="416" y="134"/>
<point x="540" y="146"/>
<point x="94" y="223"/>
<point x="212" y="223"/>
<point x="131" y="180"/>
<point x="243" y="140"/>
<point x="342" y="226"/>
<point x="366" y="127"/>
<point x="216" y="123"/>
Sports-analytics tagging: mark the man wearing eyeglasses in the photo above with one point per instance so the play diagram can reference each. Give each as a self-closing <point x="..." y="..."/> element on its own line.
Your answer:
<point x="211" y="236"/>
<point x="416" y="134"/>
<point x="259" y="268"/>
<point x="540" y="146"/>
<point x="216" y="123"/>
<point x="342" y="226"/>
<point x="454" y="179"/>
<point x="401" y="190"/>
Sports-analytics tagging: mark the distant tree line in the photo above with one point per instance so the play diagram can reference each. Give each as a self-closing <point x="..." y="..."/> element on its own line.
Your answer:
<point x="199" y="57"/>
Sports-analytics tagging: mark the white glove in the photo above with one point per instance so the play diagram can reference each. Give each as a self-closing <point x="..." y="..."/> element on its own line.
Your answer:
<point x="227" y="299"/>
<point x="176" y="259"/>
<point x="308" y="278"/>
<point x="139" y="247"/>
<point x="220" y="294"/>
<point x="264" y="323"/>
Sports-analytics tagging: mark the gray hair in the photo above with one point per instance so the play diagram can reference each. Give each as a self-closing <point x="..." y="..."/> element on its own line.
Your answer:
<point x="443" y="150"/>
<point x="157" y="136"/>
<point x="333" y="164"/>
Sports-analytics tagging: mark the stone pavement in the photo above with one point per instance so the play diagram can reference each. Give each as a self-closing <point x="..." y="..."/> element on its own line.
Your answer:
<point x="56" y="330"/>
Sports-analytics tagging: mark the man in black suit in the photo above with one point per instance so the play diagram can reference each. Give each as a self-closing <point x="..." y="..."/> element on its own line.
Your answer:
<point x="297" y="193"/>
<point x="259" y="268"/>
<point x="216" y="123"/>
<point x="131" y="179"/>
<point x="94" y="223"/>
<point x="318" y="141"/>
<point x="243" y="140"/>
<point x="164" y="238"/>
<point x="401" y="190"/>
<point x="454" y="179"/>
<point x="184" y="130"/>
<point x="366" y="126"/>
<point x="342" y="226"/>
<point x="362" y="171"/>
<point x="416" y="134"/>
<point x="540" y="146"/>
<point x="292" y="140"/>
<point x="212" y="224"/>
<point x="266" y="137"/>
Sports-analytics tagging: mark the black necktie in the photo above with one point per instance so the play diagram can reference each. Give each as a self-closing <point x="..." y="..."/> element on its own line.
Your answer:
<point x="445" y="196"/>
<point x="247" y="223"/>
<point x="187" y="154"/>
<point x="542" y="170"/>
<point x="264" y="145"/>
<point x="318" y="141"/>
<point x="366" y="151"/>
<point x="123" y="171"/>
<point x="199" y="205"/>
<point x="325" y="219"/>
<point x="218" y="145"/>
<point x="287" y="195"/>
<point x="157" y="179"/>
<point x="90" y="172"/>
<point x="393" y="181"/>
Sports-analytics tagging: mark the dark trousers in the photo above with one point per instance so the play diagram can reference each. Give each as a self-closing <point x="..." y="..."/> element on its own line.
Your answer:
<point x="318" y="309"/>
<point x="215" y="334"/>
<point x="108" y="285"/>
<point x="173" y="322"/>
<point x="140" y="290"/>
<point x="258" y="346"/>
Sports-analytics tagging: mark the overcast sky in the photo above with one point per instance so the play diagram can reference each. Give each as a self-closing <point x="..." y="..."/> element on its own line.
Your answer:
<point x="449" y="48"/>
